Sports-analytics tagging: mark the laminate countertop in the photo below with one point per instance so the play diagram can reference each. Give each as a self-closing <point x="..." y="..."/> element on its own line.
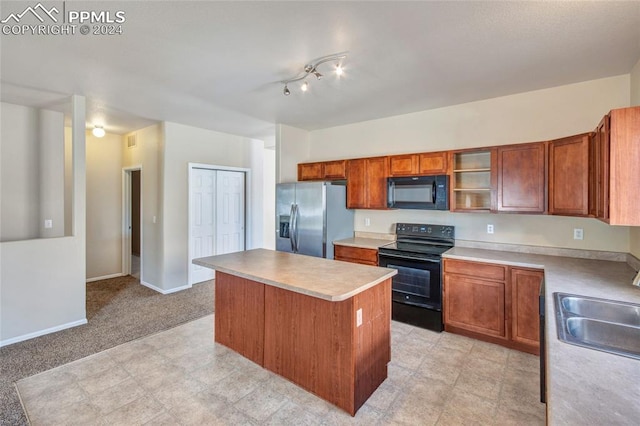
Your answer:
<point x="584" y="386"/>
<point x="322" y="278"/>
<point x="366" y="243"/>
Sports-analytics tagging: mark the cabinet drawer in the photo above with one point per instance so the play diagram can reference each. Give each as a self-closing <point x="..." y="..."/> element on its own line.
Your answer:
<point x="356" y="255"/>
<point x="476" y="269"/>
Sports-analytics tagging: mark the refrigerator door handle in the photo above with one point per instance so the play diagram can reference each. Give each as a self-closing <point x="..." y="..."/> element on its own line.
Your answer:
<point x="296" y="237"/>
<point x="292" y="227"/>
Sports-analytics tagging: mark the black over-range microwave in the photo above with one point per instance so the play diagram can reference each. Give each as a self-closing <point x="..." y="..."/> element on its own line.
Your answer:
<point x="419" y="192"/>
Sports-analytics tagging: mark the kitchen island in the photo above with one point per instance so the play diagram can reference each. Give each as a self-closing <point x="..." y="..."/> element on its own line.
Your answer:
<point x="323" y="324"/>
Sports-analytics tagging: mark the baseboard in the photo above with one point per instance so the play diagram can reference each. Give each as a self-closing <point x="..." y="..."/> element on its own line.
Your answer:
<point x="105" y="277"/>
<point x="42" y="332"/>
<point x="161" y="291"/>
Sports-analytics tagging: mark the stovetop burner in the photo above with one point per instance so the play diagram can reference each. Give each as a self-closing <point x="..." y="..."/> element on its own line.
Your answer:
<point x="421" y="239"/>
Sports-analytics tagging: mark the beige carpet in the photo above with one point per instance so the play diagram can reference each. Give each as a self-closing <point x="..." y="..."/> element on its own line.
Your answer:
<point x="118" y="310"/>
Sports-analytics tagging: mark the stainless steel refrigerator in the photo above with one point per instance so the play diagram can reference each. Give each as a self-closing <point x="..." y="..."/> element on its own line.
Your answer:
<point x="310" y="216"/>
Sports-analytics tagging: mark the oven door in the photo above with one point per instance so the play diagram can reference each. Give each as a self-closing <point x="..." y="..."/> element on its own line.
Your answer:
<point x="418" y="282"/>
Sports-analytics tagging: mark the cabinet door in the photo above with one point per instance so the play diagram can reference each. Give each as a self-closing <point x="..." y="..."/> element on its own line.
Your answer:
<point x="433" y="163"/>
<point x="624" y="167"/>
<point x="356" y="184"/>
<point x="602" y="169"/>
<point x="403" y="165"/>
<point x="569" y="176"/>
<point x="335" y="169"/>
<point x="521" y="178"/>
<point x="475" y="305"/>
<point x="377" y="173"/>
<point x="310" y="171"/>
<point x="525" y="320"/>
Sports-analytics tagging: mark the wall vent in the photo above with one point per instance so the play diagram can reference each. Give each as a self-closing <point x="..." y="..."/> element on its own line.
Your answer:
<point x="132" y="141"/>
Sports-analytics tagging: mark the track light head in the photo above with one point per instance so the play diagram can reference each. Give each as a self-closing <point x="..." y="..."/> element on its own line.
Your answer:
<point x="312" y="68"/>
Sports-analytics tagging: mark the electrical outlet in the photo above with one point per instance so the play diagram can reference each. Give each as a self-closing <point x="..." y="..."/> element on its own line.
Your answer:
<point x="367" y="221"/>
<point x="578" y="234"/>
<point x="359" y="317"/>
<point x="48" y="223"/>
<point x="489" y="229"/>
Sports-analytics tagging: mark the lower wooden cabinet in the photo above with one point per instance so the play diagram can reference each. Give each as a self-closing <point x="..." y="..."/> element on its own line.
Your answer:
<point x="525" y="321"/>
<point x="491" y="302"/>
<point x="356" y="255"/>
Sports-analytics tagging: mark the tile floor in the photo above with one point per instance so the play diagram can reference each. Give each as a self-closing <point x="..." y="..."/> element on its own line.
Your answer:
<point x="181" y="377"/>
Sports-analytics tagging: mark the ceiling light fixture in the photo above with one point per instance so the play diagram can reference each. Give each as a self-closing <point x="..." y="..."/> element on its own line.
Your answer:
<point x="98" y="131"/>
<point x="312" y="68"/>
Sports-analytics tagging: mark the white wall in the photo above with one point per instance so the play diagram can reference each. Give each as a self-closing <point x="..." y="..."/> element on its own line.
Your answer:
<point x="292" y="147"/>
<point x="51" y="166"/>
<point x="42" y="281"/>
<point x="525" y="117"/>
<point x="104" y="205"/>
<point x="269" y="200"/>
<point x="634" y="233"/>
<point x="32" y="148"/>
<point x="148" y="154"/>
<point x="185" y="144"/>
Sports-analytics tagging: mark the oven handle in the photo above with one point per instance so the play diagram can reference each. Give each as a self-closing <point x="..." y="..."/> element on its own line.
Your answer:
<point x="393" y="256"/>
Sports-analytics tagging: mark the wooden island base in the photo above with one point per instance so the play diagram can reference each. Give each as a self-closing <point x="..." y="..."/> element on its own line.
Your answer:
<point x="314" y="343"/>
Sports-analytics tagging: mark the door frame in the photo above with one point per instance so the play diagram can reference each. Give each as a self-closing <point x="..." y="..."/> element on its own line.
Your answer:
<point x="126" y="220"/>
<point x="247" y="206"/>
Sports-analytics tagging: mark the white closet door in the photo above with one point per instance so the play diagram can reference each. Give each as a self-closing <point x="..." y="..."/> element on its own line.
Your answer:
<point x="202" y="221"/>
<point x="230" y="194"/>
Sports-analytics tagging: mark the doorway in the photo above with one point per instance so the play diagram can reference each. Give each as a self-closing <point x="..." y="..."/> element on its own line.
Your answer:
<point x="217" y="214"/>
<point x="132" y="241"/>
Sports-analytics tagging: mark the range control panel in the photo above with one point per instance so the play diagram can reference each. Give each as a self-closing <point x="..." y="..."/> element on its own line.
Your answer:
<point x="425" y="230"/>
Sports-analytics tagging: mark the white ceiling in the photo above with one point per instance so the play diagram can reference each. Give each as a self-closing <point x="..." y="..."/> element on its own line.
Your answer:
<point x="217" y="65"/>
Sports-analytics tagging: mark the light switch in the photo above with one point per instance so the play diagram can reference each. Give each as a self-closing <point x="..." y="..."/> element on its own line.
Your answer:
<point x="48" y="223"/>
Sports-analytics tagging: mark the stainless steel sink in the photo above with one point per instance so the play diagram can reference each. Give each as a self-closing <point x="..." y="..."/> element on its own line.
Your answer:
<point x="604" y="310"/>
<point x="600" y="324"/>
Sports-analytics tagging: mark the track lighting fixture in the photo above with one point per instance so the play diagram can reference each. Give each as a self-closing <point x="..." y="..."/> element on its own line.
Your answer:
<point x="98" y="131"/>
<point x="312" y="68"/>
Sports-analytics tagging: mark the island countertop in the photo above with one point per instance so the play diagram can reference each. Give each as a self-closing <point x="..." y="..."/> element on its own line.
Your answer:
<point x="322" y="278"/>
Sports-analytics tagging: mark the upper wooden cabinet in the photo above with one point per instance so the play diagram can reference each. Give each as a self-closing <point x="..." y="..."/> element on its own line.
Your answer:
<point x="473" y="180"/>
<point x="367" y="183"/>
<point x="325" y="170"/>
<point x="404" y="165"/>
<point x="619" y="160"/>
<point x="600" y="170"/>
<point x="569" y="175"/>
<point x="521" y="178"/>
<point x="434" y="163"/>
<point x="428" y="163"/>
